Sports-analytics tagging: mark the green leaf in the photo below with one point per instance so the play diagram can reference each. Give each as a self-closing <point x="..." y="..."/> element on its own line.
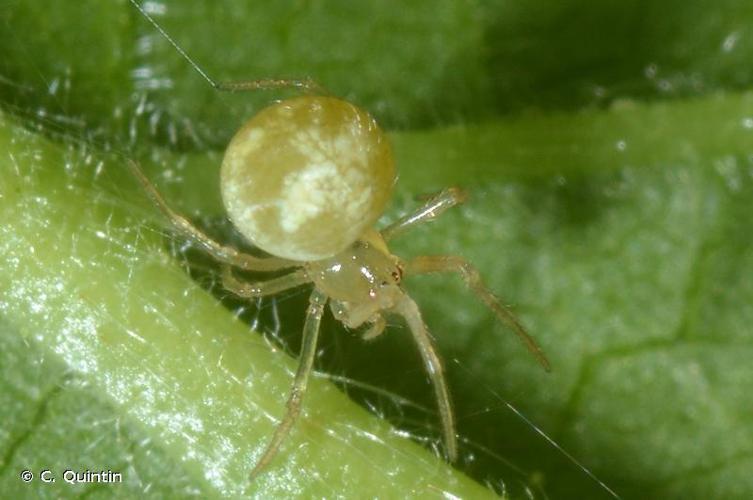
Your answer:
<point x="620" y="231"/>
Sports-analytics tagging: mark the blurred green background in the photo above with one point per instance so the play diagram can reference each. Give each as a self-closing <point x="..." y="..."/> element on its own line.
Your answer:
<point x="607" y="147"/>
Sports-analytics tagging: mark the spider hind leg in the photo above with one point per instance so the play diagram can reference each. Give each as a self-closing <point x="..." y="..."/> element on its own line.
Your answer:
<point x="222" y="253"/>
<point x="433" y="208"/>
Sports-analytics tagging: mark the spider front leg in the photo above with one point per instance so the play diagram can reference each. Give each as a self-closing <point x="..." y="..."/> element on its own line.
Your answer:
<point x="305" y="364"/>
<point x="228" y="255"/>
<point x="408" y="309"/>
<point x="437" y="204"/>
<point x="472" y="278"/>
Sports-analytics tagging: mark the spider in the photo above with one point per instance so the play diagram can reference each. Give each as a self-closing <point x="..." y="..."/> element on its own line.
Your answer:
<point x="305" y="180"/>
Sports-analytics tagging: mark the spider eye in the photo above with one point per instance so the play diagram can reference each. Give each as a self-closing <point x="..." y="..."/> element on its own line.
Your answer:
<point x="396" y="276"/>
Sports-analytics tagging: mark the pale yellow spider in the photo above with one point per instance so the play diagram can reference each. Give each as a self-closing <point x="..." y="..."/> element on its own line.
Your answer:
<point x="305" y="180"/>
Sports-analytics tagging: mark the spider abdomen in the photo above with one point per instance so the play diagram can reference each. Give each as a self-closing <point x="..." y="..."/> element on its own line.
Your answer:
<point x="306" y="177"/>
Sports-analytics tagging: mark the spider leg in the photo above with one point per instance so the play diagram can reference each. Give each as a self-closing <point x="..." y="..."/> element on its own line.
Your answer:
<point x="472" y="278"/>
<point x="228" y="255"/>
<point x="433" y="208"/>
<point x="262" y="288"/>
<point x="308" y="351"/>
<point x="306" y="85"/>
<point x="408" y="309"/>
